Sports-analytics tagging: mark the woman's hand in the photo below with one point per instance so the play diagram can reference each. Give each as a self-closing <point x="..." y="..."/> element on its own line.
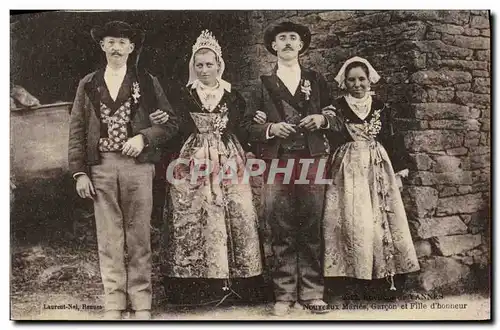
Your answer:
<point x="329" y="110"/>
<point x="401" y="174"/>
<point x="250" y="154"/>
<point x="260" y="117"/>
<point x="159" y="117"/>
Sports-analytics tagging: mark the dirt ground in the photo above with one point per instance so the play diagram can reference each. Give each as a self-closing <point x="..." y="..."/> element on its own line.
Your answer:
<point x="43" y="277"/>
<point x="465" y="307"/>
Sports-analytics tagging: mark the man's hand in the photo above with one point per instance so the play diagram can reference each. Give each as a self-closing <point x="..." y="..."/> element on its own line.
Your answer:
<point x="84" y="187"/>
<point x="282" y="130"/>
<point x="133" y="147"/>
<point x="159" y="117"/>
<point x="260" y="117"/>
<point x="312" y="122"/>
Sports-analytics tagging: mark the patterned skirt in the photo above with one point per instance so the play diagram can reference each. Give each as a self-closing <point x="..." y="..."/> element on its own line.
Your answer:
<point x="365" y="226"/>
<point x="211" y="224"/>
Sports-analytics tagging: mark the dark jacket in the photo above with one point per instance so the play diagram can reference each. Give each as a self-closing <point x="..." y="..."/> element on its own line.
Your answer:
<point x="85" y="124"/>
<point x="189" y="101"/>
<point x="389" y="136"/>
<point x="269" y="99"/>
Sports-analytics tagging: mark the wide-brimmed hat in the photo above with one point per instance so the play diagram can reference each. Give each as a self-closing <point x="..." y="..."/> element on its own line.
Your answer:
<point x="302" y="31"/>
<point x="118" y="29"/>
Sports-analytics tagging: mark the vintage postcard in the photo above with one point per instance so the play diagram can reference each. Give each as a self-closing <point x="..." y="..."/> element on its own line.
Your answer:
<point x="250" y="165"/>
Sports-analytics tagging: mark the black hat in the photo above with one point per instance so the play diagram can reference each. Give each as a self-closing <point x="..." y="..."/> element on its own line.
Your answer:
<point x="302" y="31"/>
<point x="118" y="29"/>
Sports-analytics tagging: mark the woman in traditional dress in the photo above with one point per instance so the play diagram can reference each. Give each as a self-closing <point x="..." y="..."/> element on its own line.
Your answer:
<point x="211" y="224"/>
<point x="365" y="226"/>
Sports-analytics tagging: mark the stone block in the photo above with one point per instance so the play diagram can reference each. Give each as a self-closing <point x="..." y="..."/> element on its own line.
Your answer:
<point x="433" y="140"/>
<point x="480" y="73"/>
<point x="445" y="96"/>
<point x="467" y="42"/>
<point x="463" y="87"/>
<point x="425" y="178"/>
<point x="446" y="28"/>
<point x="445" y="191"/>
<point x="450" y="245"/>
<point x="438" y="273"/>
<point x="460" y="204"/>
<point x="486" y="33"/>
<point x="483" y="55"/>
<point x="326" y="40"/>
<point x="485" y="139"/>
<point x="439" y="226"/>
<point x="480" y="151"/>
<point x="440" y="48"/>
<point x="465" y="218"/>
<point x="462" y="190"/>
<point x="465" y="260"/>
<point x="361" y="23"/>
<point x="476" y="162"/>
<point x="473" y="98"/>
<point x="423" y="248"/>
<point x="420" y="202"/>
<point x="482" y="82"/>
<point x="485" y="124"/>
<point x="457" y="151"/>
<point x="421" y="161"/>
<point x="446" y="164"/>
<point x="454" y="17"/>
<point x="481" y="90"/>
<point x="433" y="36"/>
<point x="471" y="124"/>
<point x="431" y="111"/>
<point x="406" y="124"/>
<point x="479" y="222"/>
<point x="480" y="22"/>
<point x="337" y="15"/>
<point x="443" y="77"/>
<point x="461" y="64"/>
<point x="472" y="32"/>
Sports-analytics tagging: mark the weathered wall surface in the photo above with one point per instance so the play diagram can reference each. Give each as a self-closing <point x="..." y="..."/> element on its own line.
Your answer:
<point x="436" y="75"/>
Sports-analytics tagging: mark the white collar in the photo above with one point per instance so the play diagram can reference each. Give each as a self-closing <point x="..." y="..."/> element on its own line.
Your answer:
<point x="222" y="83"/>
<point x="294" y="68"/>
<point x="120" y="72"/>
<point x="361" y="107"/>
<point x="363" y="101"/>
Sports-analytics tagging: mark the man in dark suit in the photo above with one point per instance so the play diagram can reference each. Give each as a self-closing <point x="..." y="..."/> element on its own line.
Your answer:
<point x="295" y="140"/>
<point x="112" y="148"/>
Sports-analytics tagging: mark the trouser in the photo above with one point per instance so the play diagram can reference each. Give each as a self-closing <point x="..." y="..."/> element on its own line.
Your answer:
<point x="123" y="207"/>
<point x="294" y="212"/>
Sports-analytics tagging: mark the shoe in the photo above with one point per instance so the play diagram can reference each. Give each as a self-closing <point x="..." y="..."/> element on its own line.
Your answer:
<point x="144" y="314"/>
<point x="316" y="306"/>
<point x="112" y="314"/>
<point x="281" y="308"/>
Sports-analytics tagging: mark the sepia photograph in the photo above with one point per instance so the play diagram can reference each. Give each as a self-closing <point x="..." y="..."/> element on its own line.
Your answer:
<point x="257" y="165"/>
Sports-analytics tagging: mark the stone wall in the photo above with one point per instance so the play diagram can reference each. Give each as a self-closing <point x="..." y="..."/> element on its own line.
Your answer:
<point x="436" y="76"/>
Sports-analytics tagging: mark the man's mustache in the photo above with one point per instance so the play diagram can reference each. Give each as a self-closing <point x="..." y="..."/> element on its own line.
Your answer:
<point x="116" y="53"/>
<point x="288" y="48"/>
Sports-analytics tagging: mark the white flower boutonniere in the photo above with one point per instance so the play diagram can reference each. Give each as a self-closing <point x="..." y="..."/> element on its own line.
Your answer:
<point x="374" y="126"/>
<point x="221" y="120"/>
<point x="136" y="91"/>
<point x="306" y="88"/>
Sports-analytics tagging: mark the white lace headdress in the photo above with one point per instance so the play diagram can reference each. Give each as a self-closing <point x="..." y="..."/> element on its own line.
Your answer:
<point x="373" y="75"/>
<point x="208" y="41"/>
